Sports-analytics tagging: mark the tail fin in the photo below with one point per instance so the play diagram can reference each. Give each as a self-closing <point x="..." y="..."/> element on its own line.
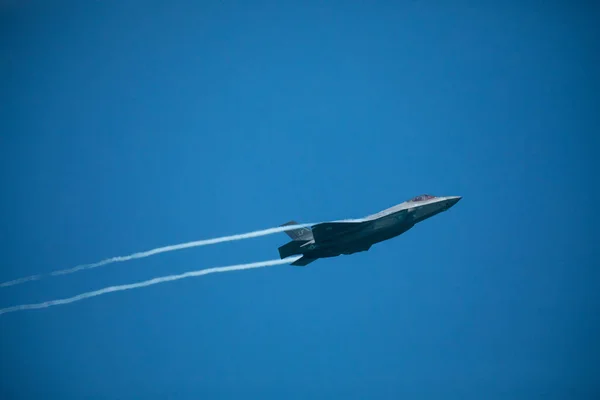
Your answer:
<point x="300" y="233"/>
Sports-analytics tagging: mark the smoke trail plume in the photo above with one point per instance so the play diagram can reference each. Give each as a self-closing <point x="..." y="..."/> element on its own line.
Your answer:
<point x="159" y="250"/>
<point x="150" y="282"/>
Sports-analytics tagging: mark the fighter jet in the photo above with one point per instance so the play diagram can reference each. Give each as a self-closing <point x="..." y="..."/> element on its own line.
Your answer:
<point x="331" y="239"/>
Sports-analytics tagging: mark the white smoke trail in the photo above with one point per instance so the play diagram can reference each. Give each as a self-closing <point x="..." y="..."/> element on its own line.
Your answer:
<point x="159" y="250"/>
<point x="150" y="282"/>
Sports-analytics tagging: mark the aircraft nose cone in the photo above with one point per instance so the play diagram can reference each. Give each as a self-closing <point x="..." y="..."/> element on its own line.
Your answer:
<point x="455" y="199"/>
<point x="452" y="200"/>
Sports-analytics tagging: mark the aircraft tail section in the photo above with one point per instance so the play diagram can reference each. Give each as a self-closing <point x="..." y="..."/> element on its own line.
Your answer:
<point x="304" y="233"/>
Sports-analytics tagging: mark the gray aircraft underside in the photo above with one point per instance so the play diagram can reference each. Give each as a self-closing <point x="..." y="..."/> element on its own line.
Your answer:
<point x="349" y="236"/>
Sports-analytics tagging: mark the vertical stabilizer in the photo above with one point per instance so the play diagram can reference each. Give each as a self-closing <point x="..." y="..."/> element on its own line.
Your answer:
<point x="298" y="234"/>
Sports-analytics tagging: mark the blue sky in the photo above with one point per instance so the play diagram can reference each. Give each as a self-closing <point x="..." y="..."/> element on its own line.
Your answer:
<point x="131" y="125"/>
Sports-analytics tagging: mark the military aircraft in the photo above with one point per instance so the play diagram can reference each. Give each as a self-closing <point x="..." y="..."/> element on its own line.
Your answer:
<point x="331" y="239"/>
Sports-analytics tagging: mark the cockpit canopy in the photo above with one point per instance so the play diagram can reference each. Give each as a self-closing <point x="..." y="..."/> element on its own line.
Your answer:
<point x="422" y="197"/>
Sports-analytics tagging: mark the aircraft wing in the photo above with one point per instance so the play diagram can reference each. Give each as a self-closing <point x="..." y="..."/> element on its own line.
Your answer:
<point x="330" y="230"/>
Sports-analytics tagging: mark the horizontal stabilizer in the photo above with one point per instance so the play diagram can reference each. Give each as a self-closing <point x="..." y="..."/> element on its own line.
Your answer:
<point x="303" y="261"/>
<point x="291" y="248"/>
<point x="300" y="233"/>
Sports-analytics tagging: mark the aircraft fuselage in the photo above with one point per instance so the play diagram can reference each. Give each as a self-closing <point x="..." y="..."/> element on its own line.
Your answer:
<point x="331" y="239"/>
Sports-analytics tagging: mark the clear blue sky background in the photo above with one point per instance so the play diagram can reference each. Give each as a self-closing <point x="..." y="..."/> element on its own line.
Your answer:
<point x="131" y="125"/>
